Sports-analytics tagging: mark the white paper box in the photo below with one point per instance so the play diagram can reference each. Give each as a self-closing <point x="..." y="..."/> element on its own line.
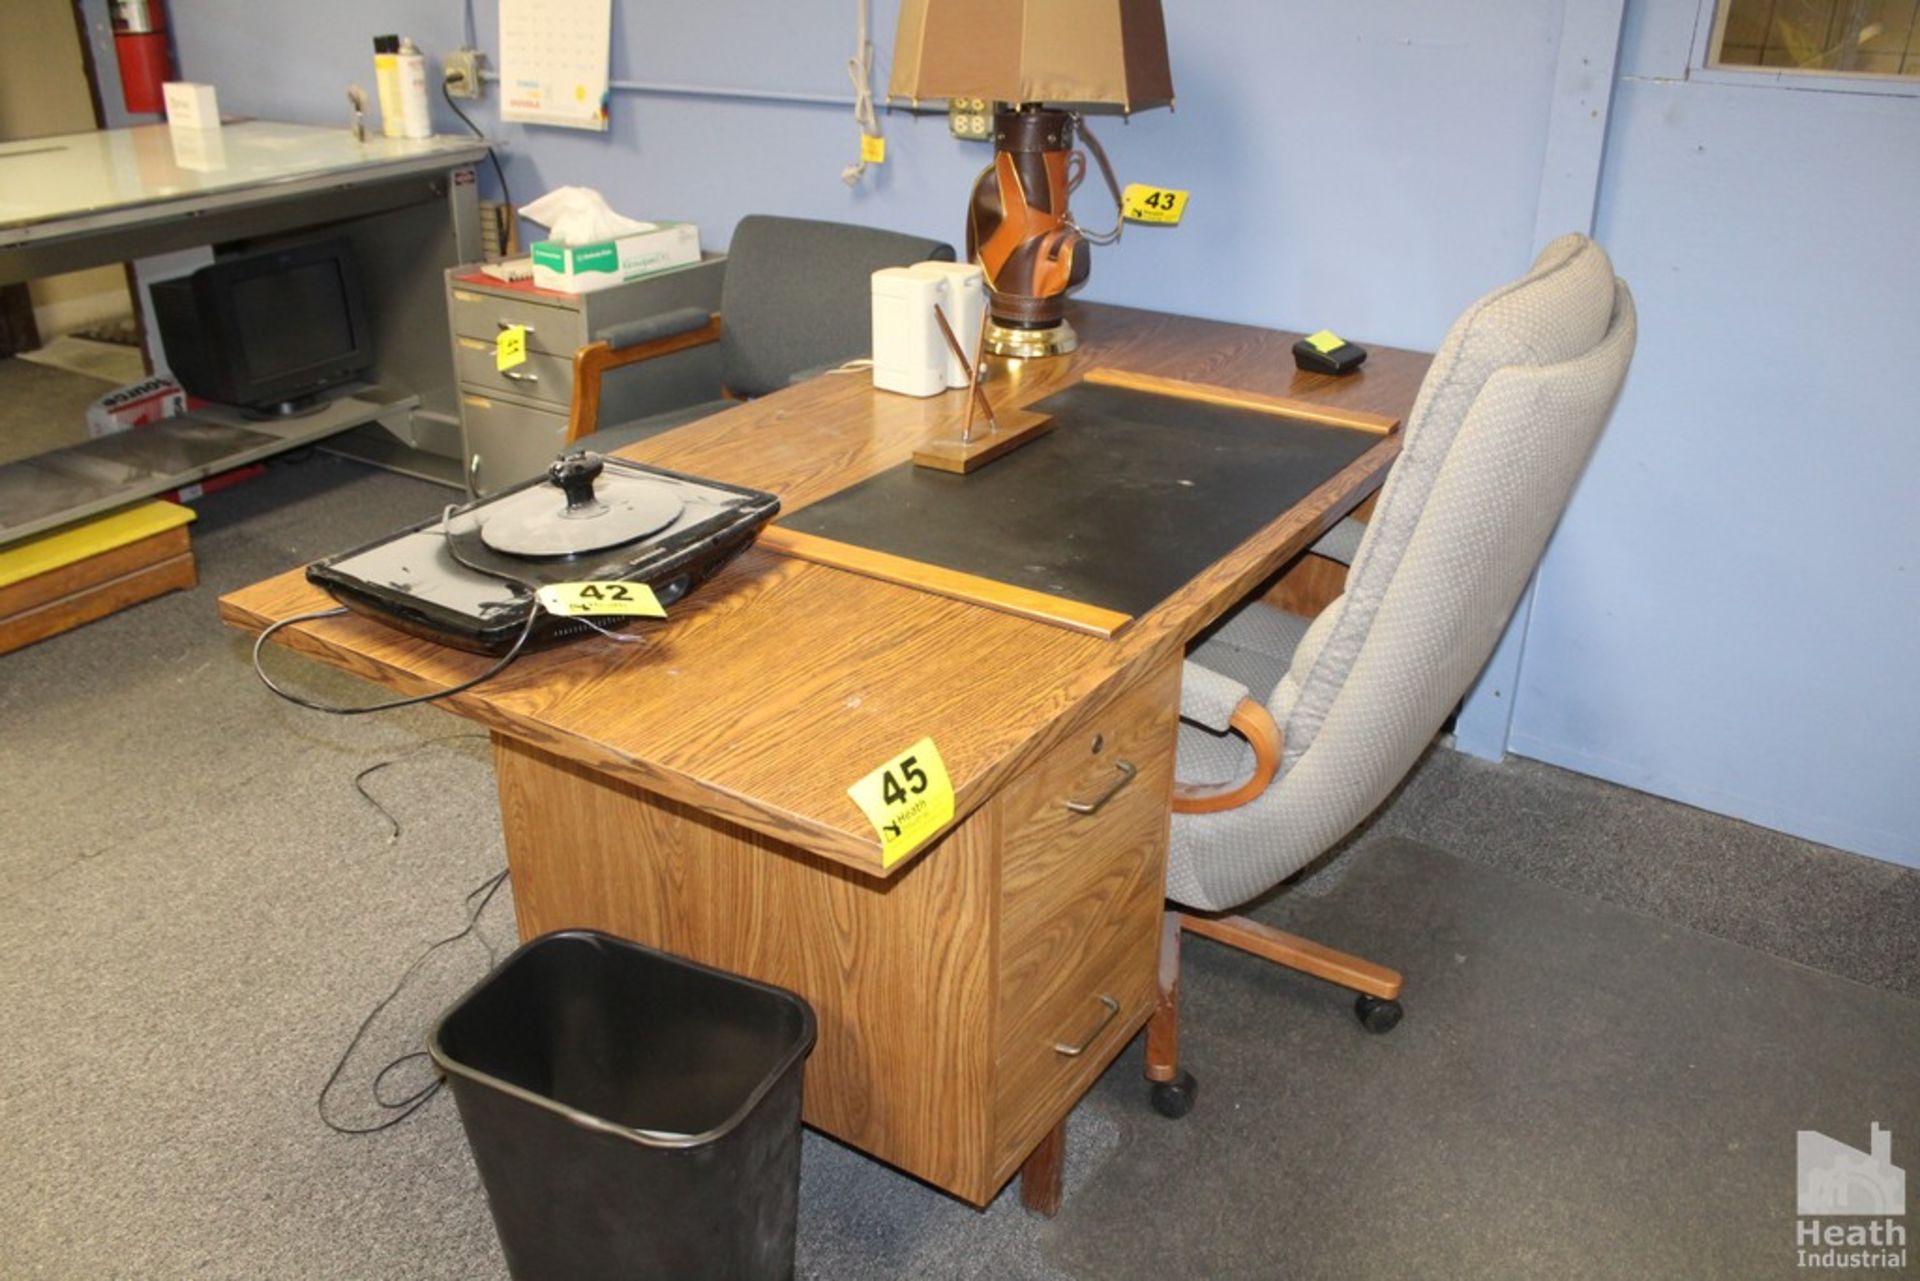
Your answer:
<point x="909" y="355"/>
<point x="190" y="105"/>
<point x="963" y="302"/>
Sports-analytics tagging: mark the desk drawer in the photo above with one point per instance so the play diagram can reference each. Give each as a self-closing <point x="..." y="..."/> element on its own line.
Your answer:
<point x="1081" y="900"/>
<point x="554" y="330"/>
<point x="542" y="377"/>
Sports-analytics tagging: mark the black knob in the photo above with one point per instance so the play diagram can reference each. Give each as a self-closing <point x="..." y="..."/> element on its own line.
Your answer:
<point x="575" y="474"/>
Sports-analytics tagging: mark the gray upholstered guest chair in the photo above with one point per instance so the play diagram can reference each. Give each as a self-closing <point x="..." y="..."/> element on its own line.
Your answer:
<point x="1292" y="731"/>
<point x="795" y="299"/>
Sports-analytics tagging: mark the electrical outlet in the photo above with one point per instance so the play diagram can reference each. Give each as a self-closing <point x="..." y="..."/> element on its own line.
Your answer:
<point x="970" y="118"/>
<point x="462" y="71"/>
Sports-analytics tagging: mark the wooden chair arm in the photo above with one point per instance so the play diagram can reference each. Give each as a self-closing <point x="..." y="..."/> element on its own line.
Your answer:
<point x="1252" y="721"/>
<point x="596" y="358"/>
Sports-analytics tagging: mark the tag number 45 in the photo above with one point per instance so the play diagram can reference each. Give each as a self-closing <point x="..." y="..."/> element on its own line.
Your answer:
<point x="893" y="793"/>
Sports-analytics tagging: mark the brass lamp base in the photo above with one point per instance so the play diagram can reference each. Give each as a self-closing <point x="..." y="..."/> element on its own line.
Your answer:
<point x="1056" y="339"/>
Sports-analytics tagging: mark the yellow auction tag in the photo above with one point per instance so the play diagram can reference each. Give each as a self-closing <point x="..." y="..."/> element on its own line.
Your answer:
<point x="510" y="348"/>
<point x="1141" y="203"/>
<point x="873" y="149"/>
<point x="907" y="800"/>
<point x="1325" y="341"/>
<point x="570" y="600"/>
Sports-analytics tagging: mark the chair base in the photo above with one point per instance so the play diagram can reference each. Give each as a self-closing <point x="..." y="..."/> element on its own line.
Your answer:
<point x="1296" y="953"/>
<point x="1377" y="1005"/>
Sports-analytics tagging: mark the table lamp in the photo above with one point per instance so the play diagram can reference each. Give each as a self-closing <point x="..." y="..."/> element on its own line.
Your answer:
<point x="1040" y="62"/>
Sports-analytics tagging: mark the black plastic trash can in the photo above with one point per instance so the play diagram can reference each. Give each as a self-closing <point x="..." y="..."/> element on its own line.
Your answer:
<point x="632" y="1114"/>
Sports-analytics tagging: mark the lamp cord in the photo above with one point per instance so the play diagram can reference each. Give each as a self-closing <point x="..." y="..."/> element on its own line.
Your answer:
<point x="860" y="71"/>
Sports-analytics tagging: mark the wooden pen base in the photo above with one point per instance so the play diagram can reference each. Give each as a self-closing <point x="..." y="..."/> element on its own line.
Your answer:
<point x="952" y="454"/>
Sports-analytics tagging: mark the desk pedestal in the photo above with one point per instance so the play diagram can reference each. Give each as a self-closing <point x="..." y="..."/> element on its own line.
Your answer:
<point x="965" y="1005"/>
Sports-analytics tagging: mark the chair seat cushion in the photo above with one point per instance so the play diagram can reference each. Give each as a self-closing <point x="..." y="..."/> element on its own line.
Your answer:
<point x="619" y="435"/>
<point x="1342" y="542"/>
<point x="1252" y="645"/>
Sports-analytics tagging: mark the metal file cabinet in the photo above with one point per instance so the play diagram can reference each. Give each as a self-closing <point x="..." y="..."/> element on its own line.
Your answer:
<point x="514" y="422"/>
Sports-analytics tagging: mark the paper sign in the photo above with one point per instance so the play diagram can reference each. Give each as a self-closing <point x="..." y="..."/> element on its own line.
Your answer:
<point x="570" y="600"/>
<point x="1325" y="341"/>
<point x="1141" y="203"/>
<point x="510" y="348"/>
<point x="553" y="61"/>
<point x="873" y="149"/>
<point x="907" y="800"/>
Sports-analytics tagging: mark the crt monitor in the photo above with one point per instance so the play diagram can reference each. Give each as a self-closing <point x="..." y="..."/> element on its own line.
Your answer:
<point x="267" y="331"/>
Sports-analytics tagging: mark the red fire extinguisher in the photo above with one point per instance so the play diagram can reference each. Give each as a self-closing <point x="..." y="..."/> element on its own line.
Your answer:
<point x="140" y="42"/>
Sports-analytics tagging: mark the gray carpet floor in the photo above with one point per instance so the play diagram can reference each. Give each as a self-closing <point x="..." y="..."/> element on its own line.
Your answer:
<point x="1619" y="1008"/>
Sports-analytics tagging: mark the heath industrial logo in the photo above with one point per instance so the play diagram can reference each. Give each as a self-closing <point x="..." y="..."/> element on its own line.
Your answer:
<point x="1852" y="1203"/>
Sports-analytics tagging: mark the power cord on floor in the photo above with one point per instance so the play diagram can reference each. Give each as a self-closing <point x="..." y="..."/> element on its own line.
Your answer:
<point x="404" y="1107"/>
<point x="360" y="779"/>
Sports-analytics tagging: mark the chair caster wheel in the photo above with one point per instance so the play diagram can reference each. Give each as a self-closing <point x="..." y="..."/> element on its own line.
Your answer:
<point x="1376" y="1015"/>
<point x="1174" y="1098"/>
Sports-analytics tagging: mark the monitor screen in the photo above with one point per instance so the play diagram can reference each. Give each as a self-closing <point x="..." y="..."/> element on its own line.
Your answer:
<point x="292" y="320"/>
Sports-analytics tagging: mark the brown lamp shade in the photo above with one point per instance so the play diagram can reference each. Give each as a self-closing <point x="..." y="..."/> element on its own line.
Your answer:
<point x="1065" y="52"/>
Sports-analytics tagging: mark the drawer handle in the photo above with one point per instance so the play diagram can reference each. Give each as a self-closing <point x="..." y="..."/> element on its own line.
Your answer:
<point x="473" y="475"/>
<point x="1066" y="1051"/>
<point x="514" y="375"/>
<point x="508" y="324"/>
<point x="1127" y="771"/>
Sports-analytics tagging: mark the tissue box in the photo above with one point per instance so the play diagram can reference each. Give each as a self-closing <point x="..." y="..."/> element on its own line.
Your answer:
<point x="581" y="269"/>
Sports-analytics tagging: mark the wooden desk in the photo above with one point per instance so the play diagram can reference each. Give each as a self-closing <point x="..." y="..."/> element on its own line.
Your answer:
<point x="691" y="792"/>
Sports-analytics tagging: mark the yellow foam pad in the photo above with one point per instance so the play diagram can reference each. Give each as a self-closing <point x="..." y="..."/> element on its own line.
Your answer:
<point x="76" y="543"/>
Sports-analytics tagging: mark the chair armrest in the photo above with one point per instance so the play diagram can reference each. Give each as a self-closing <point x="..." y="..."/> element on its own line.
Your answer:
<point x="631" y="333"/>
<point x="637" y="340"/>
<point x="1252" y="721"/>
<point x="1207" y="698"/>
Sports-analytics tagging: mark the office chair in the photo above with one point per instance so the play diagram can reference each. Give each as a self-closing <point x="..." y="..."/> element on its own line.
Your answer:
<point x="795" y="299"/>
<point x="1292" y="731"/>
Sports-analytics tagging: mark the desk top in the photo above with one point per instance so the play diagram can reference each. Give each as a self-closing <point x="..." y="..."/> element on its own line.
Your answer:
<point x="84" y="181"/>
<point x="781" y="682"/>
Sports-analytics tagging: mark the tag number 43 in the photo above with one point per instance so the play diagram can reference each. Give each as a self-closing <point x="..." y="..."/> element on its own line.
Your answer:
<point x="893" y="793"/>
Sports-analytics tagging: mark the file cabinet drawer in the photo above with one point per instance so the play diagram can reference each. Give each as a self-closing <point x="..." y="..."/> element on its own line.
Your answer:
<point x="507" y="443"/>
<point x="558" y="331"/>
<point x="542" y="376"/>
<point x="1083" y="883"/>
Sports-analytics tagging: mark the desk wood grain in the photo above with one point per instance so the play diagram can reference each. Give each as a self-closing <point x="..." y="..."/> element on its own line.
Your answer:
<point x="781" y="682"/>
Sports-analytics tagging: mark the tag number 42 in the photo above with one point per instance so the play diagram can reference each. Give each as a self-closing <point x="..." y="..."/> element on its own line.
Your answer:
<point x="612" y="591"/>
<point x="891" y="790"/>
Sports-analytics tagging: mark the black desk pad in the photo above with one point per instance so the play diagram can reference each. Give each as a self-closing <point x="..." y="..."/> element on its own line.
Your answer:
<point x="1128" y="498"/>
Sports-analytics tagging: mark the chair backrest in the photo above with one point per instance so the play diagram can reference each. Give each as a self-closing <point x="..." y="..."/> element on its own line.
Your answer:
<point x="1503" y="424"/>
<point x="797" y="295"/>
